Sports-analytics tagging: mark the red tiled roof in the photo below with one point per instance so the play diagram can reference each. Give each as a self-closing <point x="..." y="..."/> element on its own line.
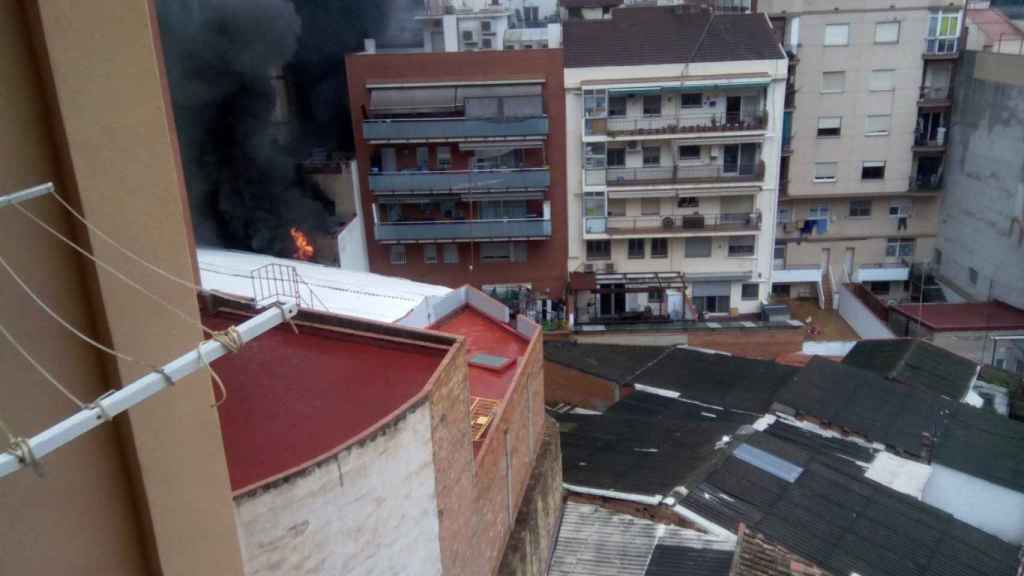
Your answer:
<point x="965" y="316"/>
<point x="295" y="398"/>
<point x="484" y="335"/>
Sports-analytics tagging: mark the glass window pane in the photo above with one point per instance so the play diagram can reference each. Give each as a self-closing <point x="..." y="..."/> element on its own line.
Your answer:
<point x="837" y="34"/>
<point x="833" y="81"/>
<point x="887" y="32"/>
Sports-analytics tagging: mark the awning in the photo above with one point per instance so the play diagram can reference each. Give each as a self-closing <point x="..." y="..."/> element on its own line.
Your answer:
<point x="502" y="91"/>
<point x="711" y="289"/>
<point x="408" y="100"/>
<point x="703" y="85"/>
<point x="471" y="146"/>
<point x="647" y="91"/>
<point x="499" y="195"/>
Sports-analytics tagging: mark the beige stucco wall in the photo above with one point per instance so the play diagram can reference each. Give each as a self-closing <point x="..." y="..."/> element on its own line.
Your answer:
<point x="370" y="510"/>
<point x="84" y="105"/>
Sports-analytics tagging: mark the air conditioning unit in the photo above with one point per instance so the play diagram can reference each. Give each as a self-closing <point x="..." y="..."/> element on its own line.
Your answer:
<point x="588" y="268"/>
<point x="609" y="267"/>
<point x="634" y="145"/>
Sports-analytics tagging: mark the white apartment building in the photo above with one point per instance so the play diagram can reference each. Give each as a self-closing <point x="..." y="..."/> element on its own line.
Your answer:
<point x="471" y="25"/>
<point x="867" y="118"/>
<point x="673" y="148"/>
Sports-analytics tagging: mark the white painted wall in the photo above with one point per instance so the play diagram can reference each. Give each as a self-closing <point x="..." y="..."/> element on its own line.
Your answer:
<point x="369" y="511"/>
<point x="984" y="505"/>
<point x="352" y="240"/>
<point x="860" y="318"/>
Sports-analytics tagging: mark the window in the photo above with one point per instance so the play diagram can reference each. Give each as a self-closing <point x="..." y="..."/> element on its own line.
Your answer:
<point x="485" y="43"/>
<point x="531" y="13"/>
<point x="877" y="125"/>
<point x="751" y="291"/>
<point x="444" y="157"/>
<point x="652" y="105"/>
<point x="899" y="208"/>
<point x="837" y="35"/>
<point x="616" y="157"/>
<point x="503" y="252"/>
<point x="450" y="254"/>
<point x="655" y="296"/>
<point x="430" y="253"/>
<point x="780" y="251"/>
<point x="784" y="215"/>
<point x="689" y="152"/>
<point x="398" y="254"/>
<point x="616" y="105"/>
<point x="659" y="247"/>
<point x="595" y="155"/>
<point x="973" y="274"/>
<point x="872" y="170"/>
<point x="879" y="288"/>
<point x="691" y="100"/>
<point x="887" y="33"/>
<point x="741" y="246"/>
<point x="882" y="80"/>
<point x="595" y="103"/>
<point x="616" y="207"/>
<point x="860" y="208"/>
<point x="594" y="204"/>
<point x="698" y="248"/>
<point x="825" y="171"/>
<point x="819" y="212"/>
<point x="599" y="249"/>
<point x="467" y="36"/>
<point x="899" y="248"/>
<point x="688" y="202"/>
<point x="485" y="26"/>
<point x="637" y="248"/>
<point x="652" y="156"/>
<point x="833" y="82"/>
<point x="650" y="206"/>
<point x="829" y="126"/>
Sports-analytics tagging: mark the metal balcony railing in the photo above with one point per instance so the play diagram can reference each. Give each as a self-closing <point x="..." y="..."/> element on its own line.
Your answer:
<point x="461" y="181"/>
<point x="684" y="223"/>
<point x="648" y="175"/>
<point x="686" y="123"/>
<point x="449" y="230"/>
<point x="446" y="129"/>
<point x="942" y="46"/>
<point x="924" y="139"/>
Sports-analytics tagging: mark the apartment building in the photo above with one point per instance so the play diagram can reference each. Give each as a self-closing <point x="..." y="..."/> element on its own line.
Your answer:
<point x="674" y="142"/>
<point x="462" y="169"/>
<point x="866" y="127"/>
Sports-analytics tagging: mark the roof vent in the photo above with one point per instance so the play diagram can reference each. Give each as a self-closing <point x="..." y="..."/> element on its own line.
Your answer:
<point x="490" y="362"/>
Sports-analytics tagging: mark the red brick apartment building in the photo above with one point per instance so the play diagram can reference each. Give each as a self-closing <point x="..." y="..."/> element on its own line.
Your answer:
<point x="361" y="447"/>
<point x="462" y="167"/>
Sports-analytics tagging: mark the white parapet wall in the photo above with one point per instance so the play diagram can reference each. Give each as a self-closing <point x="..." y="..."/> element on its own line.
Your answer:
<point x="982" y="504"/>
<point x="860" y="318"/>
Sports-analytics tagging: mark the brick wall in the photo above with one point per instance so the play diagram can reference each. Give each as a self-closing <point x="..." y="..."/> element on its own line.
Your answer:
<point x="569" y="386"/>
<point x="533" y="538"/>
<point x="474" y="497"/>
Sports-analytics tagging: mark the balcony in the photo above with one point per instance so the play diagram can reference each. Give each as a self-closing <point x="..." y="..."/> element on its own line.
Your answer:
<point x="932" y="96"/>
<point x="694" y="124"/>
<point x="460" y="181"/>
<point x="675" y="225"/>
<point x="930" y="141"/>
<point x="941" y="48"/>
<point x="453" y="129"/>
<point x="667" y="175"/>
<point x="882" y="272"/>
<point x="798" y="274"/>
<point x="535" y="228"/>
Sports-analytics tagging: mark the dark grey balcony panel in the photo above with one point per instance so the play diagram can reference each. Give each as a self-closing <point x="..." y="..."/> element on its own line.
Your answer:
<point x="402" y="182"/>
<point x="468" y="230"/>
<point x="453" y="129"/>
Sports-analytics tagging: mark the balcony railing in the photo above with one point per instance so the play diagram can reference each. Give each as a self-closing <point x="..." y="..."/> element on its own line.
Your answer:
<point x="681" y="224"/>
<point x="923" y="139"/>
<point x="654" y="175"/>
<point x="935" y="92"/>
<point x="446" y="129"/>
<point x="461" y="181"/>
<point x="692" y="123"/>
<point x="942" y="46"/>
<point x="449" y="230"/>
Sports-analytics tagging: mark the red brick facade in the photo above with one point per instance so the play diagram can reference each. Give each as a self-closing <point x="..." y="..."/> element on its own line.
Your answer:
<point x="474" y="497"/>
<point x="545" y="268"/>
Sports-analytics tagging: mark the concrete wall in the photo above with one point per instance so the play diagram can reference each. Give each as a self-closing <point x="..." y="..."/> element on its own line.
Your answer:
<point x="860" y="317"/>
<point x="369" y="510"/>
<point x="89" y="110"/>
<point x="982" y="219"/>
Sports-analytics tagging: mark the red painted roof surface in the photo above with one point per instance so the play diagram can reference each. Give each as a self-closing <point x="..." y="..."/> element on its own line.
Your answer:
<point x="966" y="316"/>
<point x="489" y="337"/>
<point x="292" y="398"/>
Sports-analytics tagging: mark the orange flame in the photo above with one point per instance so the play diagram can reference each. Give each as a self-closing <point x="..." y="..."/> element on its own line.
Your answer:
<point x="303" y="247"/>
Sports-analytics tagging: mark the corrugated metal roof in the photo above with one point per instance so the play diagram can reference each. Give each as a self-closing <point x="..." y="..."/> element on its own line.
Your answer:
<point x="594" y="541"/>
